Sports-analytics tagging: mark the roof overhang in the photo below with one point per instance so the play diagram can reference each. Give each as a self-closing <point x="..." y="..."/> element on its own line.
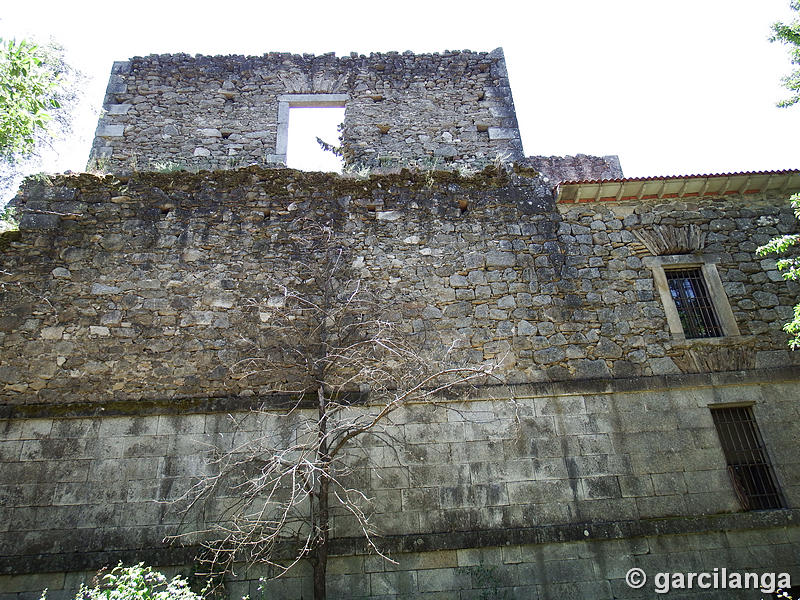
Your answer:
<point x="681" y="186"/>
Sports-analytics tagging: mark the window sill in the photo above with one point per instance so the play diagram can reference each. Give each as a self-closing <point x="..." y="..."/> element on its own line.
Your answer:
<point x="715" y="342"/>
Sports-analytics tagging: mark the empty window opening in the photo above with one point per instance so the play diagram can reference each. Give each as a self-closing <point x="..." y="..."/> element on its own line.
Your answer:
<point x="748" y="464"/>
<point x="306" y="124"/>
<point x="693" y="303"/>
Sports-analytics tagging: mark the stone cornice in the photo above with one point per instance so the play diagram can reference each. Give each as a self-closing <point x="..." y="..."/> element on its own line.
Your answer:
<point x="205" y="405"/>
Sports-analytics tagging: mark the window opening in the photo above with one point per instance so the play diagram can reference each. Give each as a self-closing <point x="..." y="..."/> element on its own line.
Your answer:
<point x="748" y="464"/>
<point x="693" y="303"/>
<point x="306" y="124"/>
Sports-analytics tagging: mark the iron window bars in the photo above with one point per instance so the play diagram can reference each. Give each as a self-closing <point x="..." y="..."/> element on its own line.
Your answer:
<point x="693" y="303"/>
<point x="748" y="465"/>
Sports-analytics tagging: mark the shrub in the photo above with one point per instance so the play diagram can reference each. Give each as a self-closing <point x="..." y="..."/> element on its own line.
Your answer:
<point x="136" y="583"/>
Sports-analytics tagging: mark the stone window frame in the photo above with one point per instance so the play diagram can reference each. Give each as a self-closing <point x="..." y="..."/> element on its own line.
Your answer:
<point x="288" y="101"/>
<point x="719" y="299"/>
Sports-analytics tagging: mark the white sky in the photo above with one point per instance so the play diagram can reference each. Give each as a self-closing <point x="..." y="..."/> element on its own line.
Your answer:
<point x="680" y="87"/>
<point x="305" y="126"/>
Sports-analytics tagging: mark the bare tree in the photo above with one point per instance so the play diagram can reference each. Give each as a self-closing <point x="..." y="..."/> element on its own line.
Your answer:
<point x="329" y="342"/>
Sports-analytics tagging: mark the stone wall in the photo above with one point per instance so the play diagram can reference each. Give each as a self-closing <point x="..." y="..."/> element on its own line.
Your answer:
<point x="157" y="286"/>
<point x="131" y="304"/>
<point x="453" y="108"/>
<point x="575" y="570"/>
<point x="549" y="487"/>
<point x="580" y="167"/>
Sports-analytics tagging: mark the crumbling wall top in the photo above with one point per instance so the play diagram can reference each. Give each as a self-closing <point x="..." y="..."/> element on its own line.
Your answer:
<point x="581" y="167"/>
<point x="423" y="110"/>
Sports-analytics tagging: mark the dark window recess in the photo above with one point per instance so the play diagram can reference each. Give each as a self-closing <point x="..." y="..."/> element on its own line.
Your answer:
<point x="689" y="291"/>
<point x="749" y="467"/>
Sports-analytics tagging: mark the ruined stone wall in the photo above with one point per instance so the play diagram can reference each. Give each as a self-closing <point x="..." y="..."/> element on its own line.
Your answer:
<point x="178" y="111"/>
<point x="580" y="167"/>
<point x="571" y="484"/>
<point x="132" y="304"/>
<point x="157" y="286"/>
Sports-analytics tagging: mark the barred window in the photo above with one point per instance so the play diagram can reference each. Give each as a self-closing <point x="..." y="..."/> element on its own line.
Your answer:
<point x="693" y="296"/>
<point x="693" y="303"/>
<point x="748" y="464"/>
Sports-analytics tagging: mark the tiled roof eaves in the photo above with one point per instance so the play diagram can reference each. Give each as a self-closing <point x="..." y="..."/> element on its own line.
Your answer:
<point x="677" y="186"/>
<point x="673" y="177"/>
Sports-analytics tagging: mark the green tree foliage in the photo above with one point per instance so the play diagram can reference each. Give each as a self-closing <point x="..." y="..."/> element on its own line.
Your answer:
<point x="790" y="34"/>
<point x="29" y="80"/>
<point x="790" y="266"/>
<point x="39" y="95"/>
<point x="8" y="219"/>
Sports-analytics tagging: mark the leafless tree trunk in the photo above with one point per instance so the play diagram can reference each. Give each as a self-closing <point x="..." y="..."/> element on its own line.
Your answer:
<point x="320" y="558"/>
